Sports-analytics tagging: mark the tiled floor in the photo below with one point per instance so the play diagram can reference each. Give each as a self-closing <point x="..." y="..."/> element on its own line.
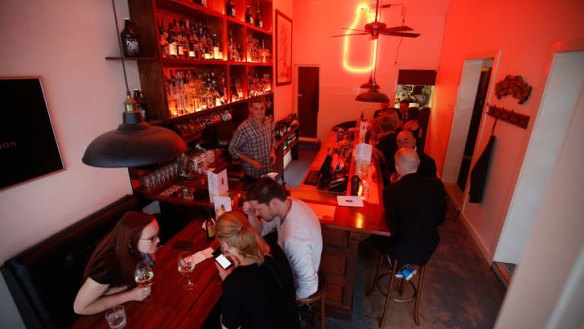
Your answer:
<point x="460" y="292"/>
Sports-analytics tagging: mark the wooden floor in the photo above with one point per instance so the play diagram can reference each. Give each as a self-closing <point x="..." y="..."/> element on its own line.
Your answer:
<point x="460" y="289"/>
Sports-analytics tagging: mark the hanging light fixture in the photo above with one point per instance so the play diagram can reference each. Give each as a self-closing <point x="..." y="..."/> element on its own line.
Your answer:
<point x="135" y="143"/>
<point x="372" y="95"/>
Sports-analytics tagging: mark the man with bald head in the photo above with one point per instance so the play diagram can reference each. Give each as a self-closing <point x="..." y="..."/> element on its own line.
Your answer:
<point x="414" y="207"/>
<point x="427" y="167"/>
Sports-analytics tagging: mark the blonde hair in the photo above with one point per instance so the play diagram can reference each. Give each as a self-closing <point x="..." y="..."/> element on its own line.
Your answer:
<point x="389" y="121"/>
<point x="234" y="228"/>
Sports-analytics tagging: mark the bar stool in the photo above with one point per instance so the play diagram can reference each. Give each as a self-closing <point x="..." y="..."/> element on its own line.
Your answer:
<point x="318" y="298"/>
<point x="416" y="287"/>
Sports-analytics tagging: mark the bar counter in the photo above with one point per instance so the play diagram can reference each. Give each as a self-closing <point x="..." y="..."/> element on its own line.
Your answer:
<point x="342" y="228"/>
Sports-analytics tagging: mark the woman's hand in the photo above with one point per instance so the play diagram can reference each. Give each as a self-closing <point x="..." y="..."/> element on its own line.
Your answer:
<point x="223" y="273"/>
<point x="140" y="293"/>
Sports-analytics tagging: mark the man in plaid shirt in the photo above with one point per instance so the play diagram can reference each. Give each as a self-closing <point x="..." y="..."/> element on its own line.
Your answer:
<point x="253" y="141"/>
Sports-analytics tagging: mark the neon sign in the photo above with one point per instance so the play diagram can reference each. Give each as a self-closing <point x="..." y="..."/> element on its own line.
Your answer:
<point x="370" y="17"/>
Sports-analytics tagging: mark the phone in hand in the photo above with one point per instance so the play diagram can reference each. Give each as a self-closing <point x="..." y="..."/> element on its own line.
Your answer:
<point x="222" y="260"/>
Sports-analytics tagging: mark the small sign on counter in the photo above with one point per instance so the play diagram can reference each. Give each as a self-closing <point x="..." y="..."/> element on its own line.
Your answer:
<point x="349" y="201"/>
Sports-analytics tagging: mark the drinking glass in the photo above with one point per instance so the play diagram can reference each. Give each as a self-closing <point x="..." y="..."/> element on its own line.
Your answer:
<point x="116" y="317"/>
<point x="143" y="275"/>
<point x="186" y="265"/>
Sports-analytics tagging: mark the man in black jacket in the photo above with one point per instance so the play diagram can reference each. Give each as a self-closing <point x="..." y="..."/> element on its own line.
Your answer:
<point x="414" y="207"/>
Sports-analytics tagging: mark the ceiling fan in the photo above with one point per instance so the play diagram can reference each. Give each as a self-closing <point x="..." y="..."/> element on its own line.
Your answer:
<point x="377" y="28"/>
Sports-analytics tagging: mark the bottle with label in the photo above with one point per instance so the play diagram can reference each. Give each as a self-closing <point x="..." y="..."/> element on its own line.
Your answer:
<point x="130" y="44"/>
<point x="210" y="227"/>
<point x="230" y="8"/>
<point x="248" y="16"/>
<point x="130" y="103"/>
<point x="258" y="19"/>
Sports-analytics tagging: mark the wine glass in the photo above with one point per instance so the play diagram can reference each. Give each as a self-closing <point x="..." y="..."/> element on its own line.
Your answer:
<point x="186" y="265"/>
<point x="143" y="274"/>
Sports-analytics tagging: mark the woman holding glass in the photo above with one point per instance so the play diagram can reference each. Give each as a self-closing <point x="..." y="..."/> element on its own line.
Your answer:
<point x="121" y="260"/>
<point x="259" y="291"/>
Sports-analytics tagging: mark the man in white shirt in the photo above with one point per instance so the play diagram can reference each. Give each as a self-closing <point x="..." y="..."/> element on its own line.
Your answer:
<point x="298" y="227"/>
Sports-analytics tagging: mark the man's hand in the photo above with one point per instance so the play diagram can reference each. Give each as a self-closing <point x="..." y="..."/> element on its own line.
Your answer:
<point x="272" y="156"/>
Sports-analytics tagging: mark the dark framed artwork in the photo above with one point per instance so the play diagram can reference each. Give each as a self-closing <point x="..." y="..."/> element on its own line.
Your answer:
<point x="283" y="49"/>
<point x="28" y="147"/>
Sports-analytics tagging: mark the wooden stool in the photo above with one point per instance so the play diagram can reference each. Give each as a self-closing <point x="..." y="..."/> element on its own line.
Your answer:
<point x="416" y="288"/>
<point x="318" y="297"/>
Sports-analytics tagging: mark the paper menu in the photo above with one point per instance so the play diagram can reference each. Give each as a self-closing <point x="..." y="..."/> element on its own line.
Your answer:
<point x="201" y="255"/>
<point x="220" y="201"/>
<point x="363" y="152"/>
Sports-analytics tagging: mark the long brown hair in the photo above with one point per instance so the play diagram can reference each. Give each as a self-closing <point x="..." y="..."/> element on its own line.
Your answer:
<point x="234" y="228"/>
<point x="120" y="246"/>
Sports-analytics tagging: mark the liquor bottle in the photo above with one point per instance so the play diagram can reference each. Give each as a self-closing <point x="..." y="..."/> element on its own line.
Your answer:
<point x="258" y="19"/>
<point x="210" y="227"/>
<point x="130" y="103"/>
<point x="230" y="8"/>
<point x="130" y="44"/>
<point x="215" y="47"/>
<point x="140" y="103"/>
<point x="248" y="16"/>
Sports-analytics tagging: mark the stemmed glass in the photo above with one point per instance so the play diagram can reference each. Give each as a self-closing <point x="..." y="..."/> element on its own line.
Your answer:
<point x="186" y="265"/>
<point x="143" y="274"/>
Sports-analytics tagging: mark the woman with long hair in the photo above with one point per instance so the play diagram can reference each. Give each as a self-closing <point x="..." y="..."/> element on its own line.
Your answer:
<point x="259" y="291"/>
<point x="109" y="274"/>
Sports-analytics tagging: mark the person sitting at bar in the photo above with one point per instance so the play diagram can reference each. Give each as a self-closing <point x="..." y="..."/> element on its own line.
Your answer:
<point x="253" y="141"/>
<point x="109" y="274"/>
<point x="298" y="230"/>
<point x="405" y="139"/>
<point x="259" y="291"/>
<point x="414" y="207"/>
<point x="386" y="145"/>
<point x="409" y="118"/>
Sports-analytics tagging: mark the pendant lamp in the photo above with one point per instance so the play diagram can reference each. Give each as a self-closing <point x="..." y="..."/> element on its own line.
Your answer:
<point x="135" y="143"/>
<point x="372" y="95"/>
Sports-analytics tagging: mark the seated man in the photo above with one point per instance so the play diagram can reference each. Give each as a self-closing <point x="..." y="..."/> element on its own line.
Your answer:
<point x="405" y="139"/>
<point x="414" y="207"/>
<point x="298" y="228"/>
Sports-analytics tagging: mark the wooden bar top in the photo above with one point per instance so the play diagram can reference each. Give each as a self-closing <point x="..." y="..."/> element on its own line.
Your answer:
<point x="170" y="306"/>
<point x="369" y="219"/>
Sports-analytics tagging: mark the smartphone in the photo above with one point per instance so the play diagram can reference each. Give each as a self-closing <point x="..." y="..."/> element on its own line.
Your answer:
<point x="222" y="260"/>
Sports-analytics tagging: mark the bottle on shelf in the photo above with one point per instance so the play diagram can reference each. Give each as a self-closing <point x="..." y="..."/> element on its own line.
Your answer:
<point x="140" y="102"/>
<point x="230" y="8"/>
<point x="248" y="16"/>
<point x="258" y="19"/>
<point x="130" y="103"/>
<point x="130" y="44"/>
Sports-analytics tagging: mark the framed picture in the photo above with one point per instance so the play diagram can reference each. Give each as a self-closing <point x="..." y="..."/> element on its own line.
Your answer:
<point x="283" y="49"/>
<point x="28" y="148"/>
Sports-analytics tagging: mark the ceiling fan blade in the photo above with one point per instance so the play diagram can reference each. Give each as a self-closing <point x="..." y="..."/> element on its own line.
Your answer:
<point x="346" y="28"/>
<point x="398" y="29"/>
<point x="348" y="35"/>
<point x="403" y="34"/>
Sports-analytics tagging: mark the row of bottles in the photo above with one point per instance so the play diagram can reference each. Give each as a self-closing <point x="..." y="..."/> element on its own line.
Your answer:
<point x="183" y="38"/>
<point x="283" y="126"/>
<point x="257" y="51"/>
<point x="188" y="91"/>
<point x="257" y="20"/>
<point x="258" y="84"/>
<point x="197" y="125"/>
<point x="234" y="51"/>
<point x="136" y="103"/>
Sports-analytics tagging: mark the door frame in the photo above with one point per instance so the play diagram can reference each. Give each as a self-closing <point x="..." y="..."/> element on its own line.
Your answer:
<point x="295" y="91"/>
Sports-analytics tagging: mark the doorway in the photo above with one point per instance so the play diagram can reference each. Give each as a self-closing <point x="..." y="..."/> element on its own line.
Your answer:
<point x="473" y="128"/>
<point x="308" y="98"/>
